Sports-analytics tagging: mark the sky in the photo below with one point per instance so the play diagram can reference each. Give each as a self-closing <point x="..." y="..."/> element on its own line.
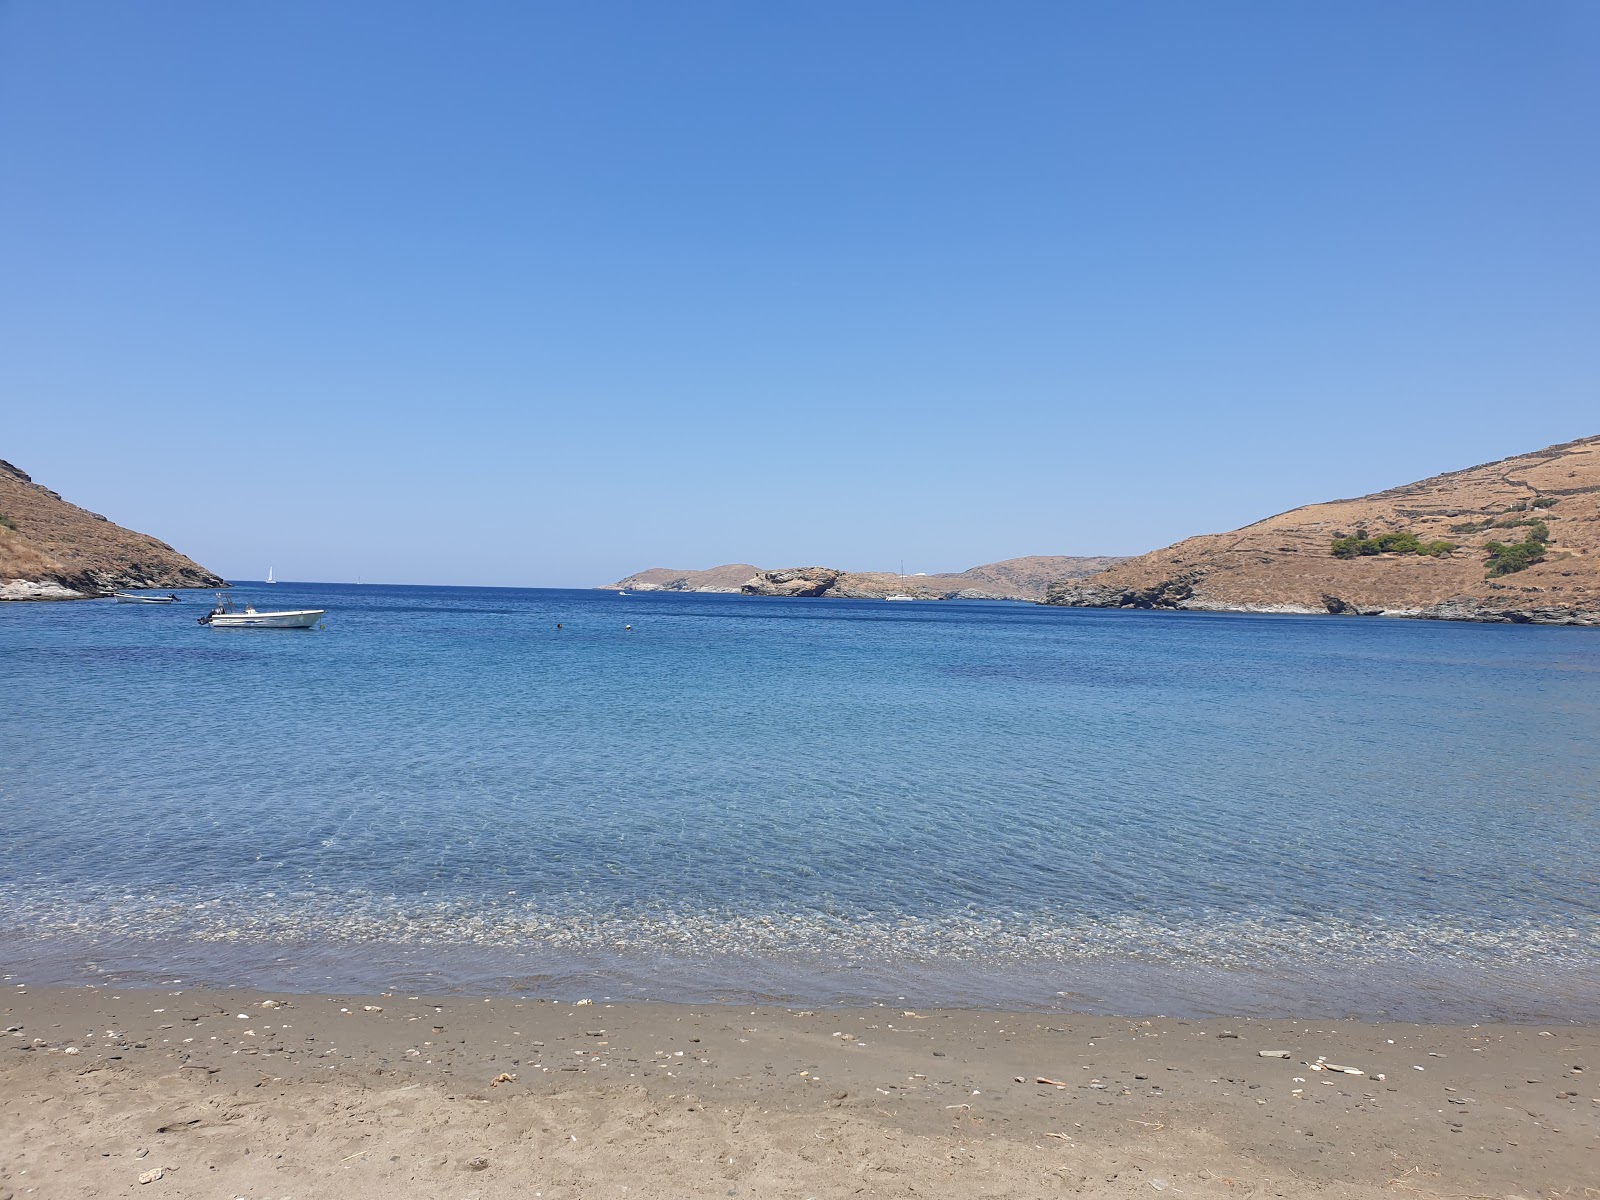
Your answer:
<point x="542" y="294"/>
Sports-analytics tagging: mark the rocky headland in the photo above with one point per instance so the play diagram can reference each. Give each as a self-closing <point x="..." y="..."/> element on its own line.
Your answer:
<point x="53" y="550"/>
<point x="1515" y="540"/>
<point x="1011" y="579"/>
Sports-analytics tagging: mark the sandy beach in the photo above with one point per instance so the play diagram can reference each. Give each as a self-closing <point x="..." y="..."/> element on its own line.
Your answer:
<point x="193" y="1093"/>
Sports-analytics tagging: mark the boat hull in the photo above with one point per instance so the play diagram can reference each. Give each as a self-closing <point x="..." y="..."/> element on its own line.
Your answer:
<point x="304" y="619"/>
<point x="121" y="599"/>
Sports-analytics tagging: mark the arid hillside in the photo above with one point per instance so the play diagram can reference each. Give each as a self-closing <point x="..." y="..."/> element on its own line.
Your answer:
<point x="1514" y="540"/>
<point x="53" y="550"/>
<point x="1012" y="579"/>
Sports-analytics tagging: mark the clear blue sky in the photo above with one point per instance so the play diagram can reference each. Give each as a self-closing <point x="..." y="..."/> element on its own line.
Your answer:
<point x="517" y="293"/>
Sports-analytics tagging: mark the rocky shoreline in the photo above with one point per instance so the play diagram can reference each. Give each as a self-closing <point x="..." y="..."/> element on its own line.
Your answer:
<point x="1178" y="595"/>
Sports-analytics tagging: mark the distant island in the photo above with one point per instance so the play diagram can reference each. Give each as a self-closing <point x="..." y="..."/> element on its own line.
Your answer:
<point x="1011" y="579"/>
<point x="53" y="550"/>
<point x="1514" y="540"/>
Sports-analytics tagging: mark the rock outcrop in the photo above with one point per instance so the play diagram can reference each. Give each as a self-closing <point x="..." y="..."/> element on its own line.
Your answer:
<point x="1287" y="563"/>
<point x="53" y="550"/>
<point x="1011" y="579"/>
<point x="794" y="581"/>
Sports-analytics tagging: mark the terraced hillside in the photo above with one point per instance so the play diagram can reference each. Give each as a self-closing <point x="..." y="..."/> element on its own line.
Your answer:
<point x="1514" y="540"/>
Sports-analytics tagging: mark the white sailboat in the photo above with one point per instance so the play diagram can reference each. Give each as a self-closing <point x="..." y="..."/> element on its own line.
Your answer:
<point x="900" y="581"/>
<point x="270" y="579"/>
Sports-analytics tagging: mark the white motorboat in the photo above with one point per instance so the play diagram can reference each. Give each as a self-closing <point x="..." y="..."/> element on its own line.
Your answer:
<point x="130" y="598"/>
<point x="226" y="616"/>
<point x="898" y="597"/>
<point x="303" y="618"/>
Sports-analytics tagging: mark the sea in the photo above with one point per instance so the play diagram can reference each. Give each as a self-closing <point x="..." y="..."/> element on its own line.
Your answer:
<point x="679" y="797"/>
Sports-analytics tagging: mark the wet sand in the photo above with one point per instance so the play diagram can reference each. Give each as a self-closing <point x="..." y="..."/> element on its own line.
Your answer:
<point x="267" y="1095"/>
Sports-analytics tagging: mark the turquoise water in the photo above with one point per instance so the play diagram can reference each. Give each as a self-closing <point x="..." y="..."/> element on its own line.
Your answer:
<point x="806" y="800"/>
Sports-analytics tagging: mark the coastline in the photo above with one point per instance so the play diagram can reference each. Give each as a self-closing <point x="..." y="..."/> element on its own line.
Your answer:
<point x="1449" y="610"/>
<point x="266" y="1093"/>
<point x="1511" y="989"/>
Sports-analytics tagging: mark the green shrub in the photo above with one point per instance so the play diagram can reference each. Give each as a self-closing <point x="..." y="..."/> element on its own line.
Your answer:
<point x="1404" y="542"/>
<point x="1351" y="547"/>
<point x="1546" y="502"/>
<point x="7" y="521"/>
<point x="1523" y="522"/>
<point x="1505" y="560"/>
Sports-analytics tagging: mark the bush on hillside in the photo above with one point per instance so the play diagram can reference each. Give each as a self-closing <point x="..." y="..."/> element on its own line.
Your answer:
<point x="1518" y="556"/>
<point x="1405" y="542"/>
<point x="1507" y="559"/>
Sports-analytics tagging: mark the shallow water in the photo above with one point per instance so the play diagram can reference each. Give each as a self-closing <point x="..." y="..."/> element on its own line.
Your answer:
<point x="808" y="801"/>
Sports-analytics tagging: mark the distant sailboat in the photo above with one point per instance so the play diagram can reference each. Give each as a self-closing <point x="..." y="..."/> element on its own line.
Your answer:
<point x="900" y="581"/>
<point x="270" y="579"/>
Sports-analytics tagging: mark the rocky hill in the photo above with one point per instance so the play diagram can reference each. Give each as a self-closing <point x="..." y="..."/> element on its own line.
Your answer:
<point x="1012" y="579"/>
<point x="729" y="578"/>
<point x="1514" y="540"/>
<point x="53" y="550"/>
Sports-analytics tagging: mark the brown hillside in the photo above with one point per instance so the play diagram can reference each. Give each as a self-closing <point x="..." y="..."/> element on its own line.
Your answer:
<point x="1286" y="563"/>
<point x="1026" y="578"/>
<point x="51" y="549"/>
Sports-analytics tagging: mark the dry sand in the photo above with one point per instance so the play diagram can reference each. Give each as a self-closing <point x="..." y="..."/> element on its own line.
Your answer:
<point x="222" y="1094"/>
